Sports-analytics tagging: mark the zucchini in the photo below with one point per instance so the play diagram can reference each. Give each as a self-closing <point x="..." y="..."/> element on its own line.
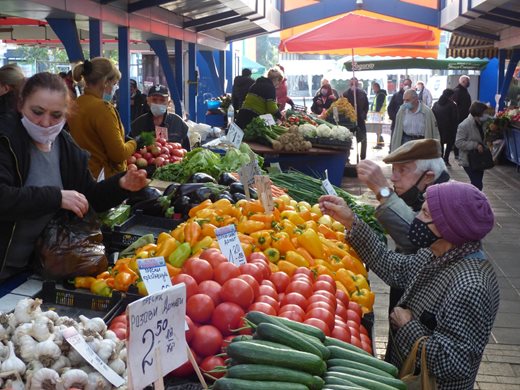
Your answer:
<point x="335" y="363"/>
<point x="242" y="384"/>
<point x="364" y="382"/>
<point x="397" y="383"/>
<point x="262" y="372"/>
<point x="302" y="328"/>
<point x="335" y="380"/>
<point x="339" y="343"/>
<point x="285" y="336"/>
<point x="248" y="352"/>
<point x="339" y="353"/>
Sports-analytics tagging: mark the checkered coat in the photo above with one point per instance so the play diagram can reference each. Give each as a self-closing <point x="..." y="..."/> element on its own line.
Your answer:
<point x="454" y="300"/>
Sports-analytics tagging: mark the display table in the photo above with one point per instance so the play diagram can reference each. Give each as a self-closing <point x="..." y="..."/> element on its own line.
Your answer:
<point x="512" y="139"/>
<point x="313" y="162"/>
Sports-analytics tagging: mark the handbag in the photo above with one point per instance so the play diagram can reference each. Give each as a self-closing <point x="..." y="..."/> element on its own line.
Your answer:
<point x="423" y="380"/>
<point x="480" y="161"/>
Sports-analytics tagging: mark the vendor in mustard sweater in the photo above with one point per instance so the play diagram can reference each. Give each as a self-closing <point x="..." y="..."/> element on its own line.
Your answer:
<point x="96" y="125"/>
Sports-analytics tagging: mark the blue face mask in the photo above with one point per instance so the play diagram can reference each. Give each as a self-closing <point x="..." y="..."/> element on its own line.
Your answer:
<point x="158" y="109"/>
<point x="408" y="105"/>
<point x="107" y="97"/>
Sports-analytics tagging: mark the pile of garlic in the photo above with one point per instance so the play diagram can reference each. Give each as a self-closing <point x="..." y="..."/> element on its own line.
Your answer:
<point x="34" y="354"/>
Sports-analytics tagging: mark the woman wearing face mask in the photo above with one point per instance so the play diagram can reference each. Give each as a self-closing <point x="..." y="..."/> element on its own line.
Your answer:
<point x="95" y="124"/>
<point x="42" y="170"/>
<point x="323" y="99"/>
<point x="451" y="290"/>
<point x="158" y="100"/>
<point x="11" y="79"/>
<point x="470" y="136"/>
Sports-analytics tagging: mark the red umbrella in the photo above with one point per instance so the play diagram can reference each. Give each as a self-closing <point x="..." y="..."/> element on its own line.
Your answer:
<point x="354" y="31"/>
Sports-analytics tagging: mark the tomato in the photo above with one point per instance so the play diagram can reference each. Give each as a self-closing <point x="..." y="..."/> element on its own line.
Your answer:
<point x="321" y="314"/>
<point x="226" y="341"/>
<point x="325" y="286"/>
<point x="258" y="256"/>
<point x="268" y="290"/>
<point x="354" y="332"/>
<point x="280" y="280"/>
<point x="295" y="298"/>
<point x="353" y="316"/>
<point x="363" y="330"/>
<point x="253" y="270"/>
<point x="303" y="270"/>
<point x="340" y="323"/>
<point x="280" y="297"/>
<point x="270" y="301"/>
<point x="212" y="362"/>
<point x="326" y="278"/>
<point x="266" y="271"/>
<point x="354" y="340"/>
<point x="267" y="282"/>
<point x="199" y="308"/>
<point x="198" y="268"/>
<point x="323" y="305"/>
<point x="364" y="338"/>
<point x="342" y="296"/>
<point x="212" y="289"/>
<point x="302" y="277"/>
<point x="291" y="315"/>
<point x="356" y="307"/>
<point x="207" y="340"/>
<point x="192" y="287"/>
<point x="252" y="282"/>
<point x="341" y="333"/>
<point x="353" y="324"/>
<point x="341" y="310"/>
<point x="262" y="307"/>
<point x="292" y="307"/>
<point x="322" y="298"/>
<point x="237" y="291"/>
<point x="225" y="271"/>
<point x="191" y="329"/>
<point x="301" y="287"/>
<point x="318" y="324"/>
<point x="213" y="256"/>
<point x="119" y="318"/>
<point x="330" y="297"/>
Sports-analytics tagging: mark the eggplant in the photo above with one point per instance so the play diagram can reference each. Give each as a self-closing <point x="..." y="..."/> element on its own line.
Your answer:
<point x="226" y="179"/>
<point x="147" y="193"/>
<point x="238" y="196"/>
<point x="201" y="177"/>
<point x="236" y="187"/>
<point x="252" y="193"/>
<point x="226" y="195"/>
<point x="201" y="194"/>
<point x="171" y="189"/>
<point x="151" y="207"/>
<point x="182" y="205"/>
<point x="187" y="189"/>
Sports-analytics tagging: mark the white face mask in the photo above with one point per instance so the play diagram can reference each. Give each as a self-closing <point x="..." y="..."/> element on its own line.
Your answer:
<point x="42" y="135"/>
<point x="406" y="87"/>
<point x="158" y="109"/>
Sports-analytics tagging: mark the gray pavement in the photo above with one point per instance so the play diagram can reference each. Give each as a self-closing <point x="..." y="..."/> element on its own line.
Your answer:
<point x="500" y="367"/>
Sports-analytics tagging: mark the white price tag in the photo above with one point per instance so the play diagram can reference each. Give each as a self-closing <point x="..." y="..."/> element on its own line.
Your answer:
<point x="156" y="322"/>
<point x="154" y="274"/>
<point x="79" y="344"/>
<point x="161" y="132"/>
<point x="327" y="187"/>
<point x="335" y="114"/>
<point x="235" y="135"/>
<point x="268" y="119"/>
<point x="230" y="245"/>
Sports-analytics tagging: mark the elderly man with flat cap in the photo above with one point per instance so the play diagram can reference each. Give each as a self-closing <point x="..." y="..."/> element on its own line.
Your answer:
<point x="415" y="166"/>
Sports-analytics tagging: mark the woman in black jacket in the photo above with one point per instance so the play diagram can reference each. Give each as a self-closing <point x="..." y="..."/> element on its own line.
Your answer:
<point x="446" y="114"/>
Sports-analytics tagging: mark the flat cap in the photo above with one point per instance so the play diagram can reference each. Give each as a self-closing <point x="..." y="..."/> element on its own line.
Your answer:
<point x="421" y="149"/>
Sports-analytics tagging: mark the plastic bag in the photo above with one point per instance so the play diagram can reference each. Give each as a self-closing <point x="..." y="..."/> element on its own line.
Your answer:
<point x="70" y="246"/>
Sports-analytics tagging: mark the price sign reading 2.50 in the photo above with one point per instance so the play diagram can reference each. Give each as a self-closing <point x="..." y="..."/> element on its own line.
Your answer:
<point x="149" y="337"/>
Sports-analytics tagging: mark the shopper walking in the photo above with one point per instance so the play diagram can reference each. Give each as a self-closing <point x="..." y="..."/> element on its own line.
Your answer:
<point x="361" y="101"/>
<point x="396" y="102"/>
<point x="379" y="106"/>
<point x="463" y="100"/>
<point x="241" y="85"/>
<point x="446" y="114"/>
<point x="425" y="96"/>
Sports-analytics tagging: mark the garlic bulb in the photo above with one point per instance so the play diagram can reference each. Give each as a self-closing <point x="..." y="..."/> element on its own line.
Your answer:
<point x="22" y="330"/>
<point x="44" y="378"/>
<point x="66" y="321"/>
<point x="13" y="363"/>
<point x="51" y="315"/>
<point x="75" y="358"/>
<point x="32" y="367"/>
<point x="74" y="378"/>
<point x="47" y="352"/>
<point x="15" y="385"/>
<point x="106" y="348"/>
<point x="97" y="382"/>
<point x="93" y="325"/>
<point x="4" y="352"/>
<point x="110" y="335"/>
<point x="118" y="366"/>
<point x="27" y="346"/>
<point x="5" y="328"/>
<point x="42" y="328"/>
<point x="26" y="309"/>
<point x="62" y="363"/>
<point x="122" y="354"/>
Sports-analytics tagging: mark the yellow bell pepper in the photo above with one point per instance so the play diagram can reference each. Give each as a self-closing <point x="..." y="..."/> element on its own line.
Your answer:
<point x="305" y="254"/>
<point x="322" y="270"/>
<point x="343" y="276"/>
<point x="354" y="265"/>
<point x="178" y="232"/>
<point x="247" y="248"/>
<point x="335" y="262"/>
<point x="166" y="247"/>
<point x="304" y="205"/>
<point x="364" y="297"/>
<point x="292" y="216"/>
<point x="163" y="236"/>
<point x="326" y="220"/>
<point x="315" y="209"/>
<point x="262" y="239"/>
<point x="83" y="281"/>
<point x="208" y="230"/>
<point x="286" y="199"/>
<point x="296" y="259"/>
<point x="202" y="244"/>
<point x="100" y="287"/>
<point x="310" y="240"/>
<point x="311" y="225"/>
<point x="273" y="267"/>
<point x="287" y="267"/>
<point x="273" y="255"/>
<point x="141" y="289"/>
<point x="193" y="211"/>
<point x="251" y="207"/>
<point x="247" y="227"/>
<point x="282" y="242"/>
<point x="224" y="206"/>
<point x="290" y="228"/>
<point x="338" y="227"/>
<point x="192" y="232"/>
<point x="267" y="220"/>
<point x="333" y="247"/>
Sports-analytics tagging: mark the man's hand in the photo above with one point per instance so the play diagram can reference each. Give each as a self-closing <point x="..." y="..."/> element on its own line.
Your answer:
<point x="371" y="175"/>
<point x="337" y="208"/>
<point x="75" y="202"/>
<point x="134" y="179"/>
<point x="400" y="317"/>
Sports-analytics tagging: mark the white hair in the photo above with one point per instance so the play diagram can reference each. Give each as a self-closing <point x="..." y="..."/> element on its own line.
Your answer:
<point x="463" y="77"/>
<point x="411" y="94"/>
<point x="436" y="165"/>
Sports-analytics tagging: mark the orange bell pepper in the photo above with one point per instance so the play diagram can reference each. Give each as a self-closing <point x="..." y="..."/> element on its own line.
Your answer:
<point x="247" y="248"/>
<point x="354" y="265"/>
<point x="296" y="259"/>
<point x="200" y="206"/>
<point x="326" y="231"/>
<point x="208" y="230"/>
<point x="172" y="271"/>
<point x="305" y="214"/>
<point x="83" y="281"/>
<point x="332" y="248"/>
<point x="282" y="242"/>
<point x="123" y="280"/>
<point x="322" y="270"/>
<point x="266" y="219"/>
<point x="335" y="262"/>
<point x="224" y="206"/>
<point x="340" y="286"/>
<point x="192" y="232"/>
<point x="273" y="267"/>
<point x="245" y="238"/>
<point x="248" y="227"/>
<point x="279" y="204"/>
<point x="103" y="275"/>
<point x="262" y="239"/>
<point x="305" y="254"/>
<point x="178" y="232"/>
<point x="251" y="207"/>
<point x="344" y="277"/>
<point x="287" y="267"/>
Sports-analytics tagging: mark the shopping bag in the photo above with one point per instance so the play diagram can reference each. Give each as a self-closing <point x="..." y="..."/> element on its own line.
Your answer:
<point x="423" y="380"/>
<point x="480" y="161"/>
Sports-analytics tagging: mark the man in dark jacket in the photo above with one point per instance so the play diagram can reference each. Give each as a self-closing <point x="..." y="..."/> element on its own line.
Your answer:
<point x="138" y="104"/>
<point x="397" y="101"/>
<point x="241" y="85"/>
<point x="463" y="100"/>
<point x="362" y="110"/>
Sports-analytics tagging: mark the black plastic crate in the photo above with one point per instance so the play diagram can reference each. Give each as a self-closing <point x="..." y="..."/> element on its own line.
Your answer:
<point x="73" y="303"/>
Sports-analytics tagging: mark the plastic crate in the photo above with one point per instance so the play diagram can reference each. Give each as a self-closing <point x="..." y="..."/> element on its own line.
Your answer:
<point x="73" y="303"/>
<point x="327" y="143"/>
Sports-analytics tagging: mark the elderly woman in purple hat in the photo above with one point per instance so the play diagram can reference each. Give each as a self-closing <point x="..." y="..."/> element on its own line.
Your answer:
<point x="452" y="294"/>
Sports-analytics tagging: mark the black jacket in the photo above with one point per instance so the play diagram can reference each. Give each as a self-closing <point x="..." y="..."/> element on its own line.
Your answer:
<point x="17" y="202"/>
<point x="177" y="128"/>
<point x="361" y="102"/>
<point x="241" y="85"/>
<point x="463" y="100"/>
<point x="379" y="100"/>
<point x="447" y="120"/>
<point x="395" y="104"/>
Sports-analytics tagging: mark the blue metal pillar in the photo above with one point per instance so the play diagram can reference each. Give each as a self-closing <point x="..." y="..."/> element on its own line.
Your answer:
<point x="161" y="51"/>
<point x="192" y="81"/>
<point x="229" y="68"/>
<point x="515" y="57"/>
<point x="67" y="32"/>
<point x="222" y="70"/>
<point x="179" y="72"/>
<point x="124" y="84"/>
<point x="95" y="37"/>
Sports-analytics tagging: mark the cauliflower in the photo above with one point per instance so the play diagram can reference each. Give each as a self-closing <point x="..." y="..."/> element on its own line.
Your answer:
<point x="324" y="131"/>
<point x="307" y="130"/>
<point x="341" y="133"/>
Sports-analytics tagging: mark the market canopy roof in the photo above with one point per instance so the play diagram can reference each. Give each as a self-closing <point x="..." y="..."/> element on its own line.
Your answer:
<point x="369" y="33"/>
<point x="417" y="63"/>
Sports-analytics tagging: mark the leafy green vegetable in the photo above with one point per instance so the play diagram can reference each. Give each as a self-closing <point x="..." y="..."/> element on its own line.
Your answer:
<point x="148" y="138"/>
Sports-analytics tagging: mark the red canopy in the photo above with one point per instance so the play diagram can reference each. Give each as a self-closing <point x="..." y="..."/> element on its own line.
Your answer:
<point x="354" y="31"/>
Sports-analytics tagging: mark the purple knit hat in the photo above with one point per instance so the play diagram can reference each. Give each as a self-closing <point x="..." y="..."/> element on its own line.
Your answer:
<point x="460" y="212"/>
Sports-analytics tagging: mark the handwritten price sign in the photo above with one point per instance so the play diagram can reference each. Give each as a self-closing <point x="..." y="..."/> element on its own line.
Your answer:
<point x="230" y="245"/>
<point x="157" y="343"/>
<point x="154" y="274"/>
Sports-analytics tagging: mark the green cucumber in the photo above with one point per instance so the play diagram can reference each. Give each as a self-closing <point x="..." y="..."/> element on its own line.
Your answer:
<point x="335" y="380"/>
<point x="283" y="335"/>
<point x="247" y="352"/>
<point x="269" y="343"/>
<point x="370" y="384"/>
<point x="302" y="328"/>
<point x="334" y="363"/>
<point x="341" y="387"/>
<point x="340" y="353"/>
<point x="257" y="318"/>
<point x="242" y="337"/>
<point x="339" y="343"/>
<point x="262" y="372"/>
<point x="397" y="383"/>
<point x="242" y="384"/>
<point x="317" y="343"/>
